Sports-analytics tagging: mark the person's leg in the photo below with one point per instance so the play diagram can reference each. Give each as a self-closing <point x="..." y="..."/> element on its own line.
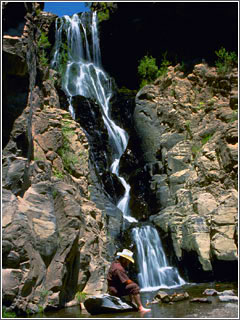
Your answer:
<point x="133" y="290"/>
<point x="136" y="298"/>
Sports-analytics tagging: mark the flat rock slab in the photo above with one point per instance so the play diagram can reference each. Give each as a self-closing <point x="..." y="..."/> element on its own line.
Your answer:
<point x="228" y="298"/>
<point x="201" y="300"/>
<point x="105" y="303"/>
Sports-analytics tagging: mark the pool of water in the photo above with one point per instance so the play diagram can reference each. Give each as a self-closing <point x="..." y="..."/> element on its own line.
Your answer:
<point x="180" y="309"/>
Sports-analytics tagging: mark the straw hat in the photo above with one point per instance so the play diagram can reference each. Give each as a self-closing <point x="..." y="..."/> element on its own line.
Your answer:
<point x="126" y="254"/>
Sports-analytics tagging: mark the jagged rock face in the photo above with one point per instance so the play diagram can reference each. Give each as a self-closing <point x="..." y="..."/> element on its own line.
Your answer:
<point x="54" y="236"/>
<point x="186" y="128"/>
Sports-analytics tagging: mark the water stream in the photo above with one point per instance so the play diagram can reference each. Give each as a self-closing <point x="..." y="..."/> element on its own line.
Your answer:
<point x="85" y="76"/>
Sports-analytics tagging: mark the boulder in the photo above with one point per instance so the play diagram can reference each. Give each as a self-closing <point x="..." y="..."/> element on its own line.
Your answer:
<point x="179" y="297"/>
<point x="11" y="279"/>
<point x="201" y="300"/>
<point x="227" y="293"/>
<point x="210" y="292"/>
<point x="104" y="303"/>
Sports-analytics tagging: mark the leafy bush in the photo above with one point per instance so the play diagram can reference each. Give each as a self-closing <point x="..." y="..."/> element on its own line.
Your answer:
<point x="164" y="65"/>
<point x="63" y="59"/>
<point x="80" y="296"/>
<point x="43" y="44"/>
<point x="8" y="314"/>
<point x="68" y="158"/>
<point x="148" y="70"/>
<point x="226" y="61"/>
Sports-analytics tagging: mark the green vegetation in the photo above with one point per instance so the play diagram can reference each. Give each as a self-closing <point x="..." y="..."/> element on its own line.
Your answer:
<point x="164" y="65"/>
<point x="234" y="116"/>
<point x="206" y="139"/>
<point x="200" y="106"/>
<point x="104" y="9"/>
<point x="44" y="293"/>
<point x="148" y="70"/>
<point x="226" y="61"/>
<point x="188" y="128"/>
<point x="195" y="149"/>
<point x="63" y="59"/>
<point x="80" y="296"/>
<point x="198" y="147"/>
<point x="8" y="314"/>
<point x="54" y="194"/>
<point x="68" y="158"/>
<point x="58" y="174"/>
<point x="43" y="44"/>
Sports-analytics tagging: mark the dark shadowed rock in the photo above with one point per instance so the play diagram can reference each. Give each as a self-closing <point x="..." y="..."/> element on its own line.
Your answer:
<point x="201" y="300"/>
<point x="106" y="304"/>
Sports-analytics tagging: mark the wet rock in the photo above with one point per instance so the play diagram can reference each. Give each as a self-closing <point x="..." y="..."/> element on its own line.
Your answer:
<point x="227" y="293"/>
<point x="179" y="297"/>
<point x="210" y="292"/>
<point x="201" y="300"/>
<point x="105" y="303"/>
<point x="226" y="298"/>
<point x="163" y="297"/>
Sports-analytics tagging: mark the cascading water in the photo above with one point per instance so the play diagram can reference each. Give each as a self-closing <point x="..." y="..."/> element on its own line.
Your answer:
<point x="84" y="76"/>
<point x="154" y="269"/>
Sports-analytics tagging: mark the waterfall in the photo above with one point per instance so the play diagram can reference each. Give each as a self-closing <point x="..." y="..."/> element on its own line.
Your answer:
<point x="84" y="76"/>
<point x="154" y="269"/>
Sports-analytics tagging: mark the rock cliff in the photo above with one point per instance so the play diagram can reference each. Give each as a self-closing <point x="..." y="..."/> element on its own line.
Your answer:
<point x="54" y="238"/>
<point x="187" y="137"/>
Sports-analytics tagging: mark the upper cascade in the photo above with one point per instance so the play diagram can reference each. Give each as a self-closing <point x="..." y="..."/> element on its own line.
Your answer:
<point x="85" y="76"/>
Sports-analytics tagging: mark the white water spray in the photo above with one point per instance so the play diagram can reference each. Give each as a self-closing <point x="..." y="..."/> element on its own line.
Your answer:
<point x="155" y="271"/>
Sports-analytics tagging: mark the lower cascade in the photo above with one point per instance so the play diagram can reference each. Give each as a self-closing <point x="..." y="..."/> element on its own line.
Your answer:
<point x="154" y="269"/>
<point x="84" y="76"/>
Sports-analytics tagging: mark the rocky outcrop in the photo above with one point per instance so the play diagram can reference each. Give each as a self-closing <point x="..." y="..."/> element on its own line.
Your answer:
<point x="186" y="128"/>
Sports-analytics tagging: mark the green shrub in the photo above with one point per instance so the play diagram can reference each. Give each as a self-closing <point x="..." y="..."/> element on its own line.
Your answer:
<point x="164" y="65"/>
<point x="8" y="314"/>
<point x="69" y="159"/>
<point x="103" y="15"/>
<point x="195" y="149"/>
<point x="206" y="139"/>
<point x="226" y="61"/>
<point x="58" y="174"/>
<point x="43" y="44"/>
<point x="63" y="59"/>
<point x="201" y="105"/>
<point x="188" y="128"/>
<point x="148" y="70"/>
<point x="80" y="296"/>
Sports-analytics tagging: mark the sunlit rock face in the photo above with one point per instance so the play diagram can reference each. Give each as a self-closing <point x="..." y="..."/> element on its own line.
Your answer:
<point x="186" y="127"/>
<point x="53" y="235"/>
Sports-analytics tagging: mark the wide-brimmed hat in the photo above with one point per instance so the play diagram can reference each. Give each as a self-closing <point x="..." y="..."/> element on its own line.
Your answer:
<point x="126" y="254"/>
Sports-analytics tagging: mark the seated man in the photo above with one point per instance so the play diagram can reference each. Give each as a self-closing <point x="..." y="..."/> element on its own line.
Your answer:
<point x="119" y="283"/>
